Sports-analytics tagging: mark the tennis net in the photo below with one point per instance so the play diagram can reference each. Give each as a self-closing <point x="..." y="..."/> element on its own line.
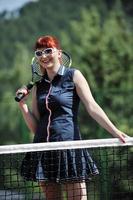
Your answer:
<point x="20" y="178"/>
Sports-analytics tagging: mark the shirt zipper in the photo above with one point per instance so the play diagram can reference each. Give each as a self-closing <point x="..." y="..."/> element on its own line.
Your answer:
<point x="50" y="113"/>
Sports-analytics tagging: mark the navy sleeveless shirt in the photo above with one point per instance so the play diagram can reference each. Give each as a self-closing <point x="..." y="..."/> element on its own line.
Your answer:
<point x="58" y="105"/>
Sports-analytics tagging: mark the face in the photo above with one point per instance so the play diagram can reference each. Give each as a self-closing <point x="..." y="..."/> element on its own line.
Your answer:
<point x="48" y="57"/>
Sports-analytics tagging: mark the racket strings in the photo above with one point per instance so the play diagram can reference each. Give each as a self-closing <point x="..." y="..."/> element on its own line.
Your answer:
<point x="66" y="60"/>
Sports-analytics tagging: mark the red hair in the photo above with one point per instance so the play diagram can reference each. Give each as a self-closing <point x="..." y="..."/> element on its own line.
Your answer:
<point x="47" y="42"/>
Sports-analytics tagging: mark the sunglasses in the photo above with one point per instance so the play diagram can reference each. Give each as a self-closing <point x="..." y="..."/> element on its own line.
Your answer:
<point x="45" y="52"/>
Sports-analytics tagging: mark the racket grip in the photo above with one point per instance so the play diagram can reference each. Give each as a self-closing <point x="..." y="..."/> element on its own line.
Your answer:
<point x="20" y="96"/>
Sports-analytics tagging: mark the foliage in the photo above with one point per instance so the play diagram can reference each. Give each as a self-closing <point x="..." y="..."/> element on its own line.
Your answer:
<point x="11" y="116"/>
<point x="103" y="52"/>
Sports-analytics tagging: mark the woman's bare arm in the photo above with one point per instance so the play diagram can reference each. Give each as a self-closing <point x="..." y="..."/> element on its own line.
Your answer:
<point x="31" y="117"/>
<point x="95" y="111"/>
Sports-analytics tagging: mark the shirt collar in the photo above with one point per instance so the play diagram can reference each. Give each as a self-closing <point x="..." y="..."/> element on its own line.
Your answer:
<point x="60" y="72"/>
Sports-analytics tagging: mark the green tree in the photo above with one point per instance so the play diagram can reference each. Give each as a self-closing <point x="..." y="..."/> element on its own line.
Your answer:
<point x="103" y="52"/>
<point x="12" y="127"/>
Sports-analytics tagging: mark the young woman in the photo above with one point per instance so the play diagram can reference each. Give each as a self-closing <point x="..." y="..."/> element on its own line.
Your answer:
<point x="55" y="102"/>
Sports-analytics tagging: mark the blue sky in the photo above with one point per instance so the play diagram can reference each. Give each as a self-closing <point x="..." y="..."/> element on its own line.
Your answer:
<point x="10" y="5"/>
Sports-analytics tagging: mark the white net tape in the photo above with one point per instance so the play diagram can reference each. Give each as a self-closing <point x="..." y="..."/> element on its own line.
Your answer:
<point x="20" y="148"/>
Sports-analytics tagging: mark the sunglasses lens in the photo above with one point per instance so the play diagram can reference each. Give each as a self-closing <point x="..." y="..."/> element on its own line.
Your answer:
<point x="38" y="53"/>
<point x="48" y="51"/>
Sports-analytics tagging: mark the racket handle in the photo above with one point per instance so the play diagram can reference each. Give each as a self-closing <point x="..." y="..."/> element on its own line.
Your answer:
<point x="20" y="96"/>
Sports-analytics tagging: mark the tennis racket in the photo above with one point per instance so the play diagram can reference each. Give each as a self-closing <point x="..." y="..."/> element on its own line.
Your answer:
<point x="37" y="75"/>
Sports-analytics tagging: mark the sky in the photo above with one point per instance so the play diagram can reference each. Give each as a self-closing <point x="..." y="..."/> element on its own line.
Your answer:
<point x="11" y="5"/>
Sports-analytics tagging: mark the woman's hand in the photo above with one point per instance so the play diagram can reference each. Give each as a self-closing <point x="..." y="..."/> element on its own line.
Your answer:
<point x="122" y="136"/>
<point x="22" y="91"/>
